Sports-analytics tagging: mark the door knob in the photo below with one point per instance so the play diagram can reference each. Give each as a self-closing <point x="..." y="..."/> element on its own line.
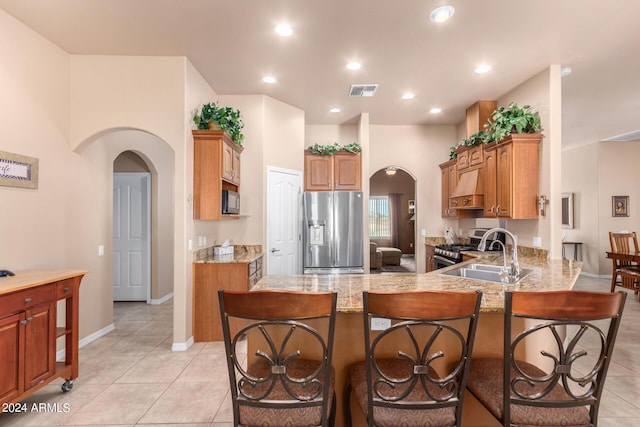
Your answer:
<point x="274" y="250"/>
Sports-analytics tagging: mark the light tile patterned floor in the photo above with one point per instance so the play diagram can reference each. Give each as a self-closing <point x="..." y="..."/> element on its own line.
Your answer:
<point x="131" y="377"/>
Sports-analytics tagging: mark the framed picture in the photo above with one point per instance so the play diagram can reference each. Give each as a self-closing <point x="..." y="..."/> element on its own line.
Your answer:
<point x="620" y="205"/>
<point x="18" y="171"/>
<point x="567" y="210"/>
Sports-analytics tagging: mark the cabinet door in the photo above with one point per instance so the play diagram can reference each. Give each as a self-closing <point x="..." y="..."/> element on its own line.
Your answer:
<point x="453" y="181"/>
<point x="318" y="172"/>
<point x="236" y="167"/>
<point x="39" y="348"/>
<point x="463" y="160"/>
<point x="11" y="356"/>
<point x="227" y="162"/>
<point x="504" y="184"/>
<point x="430" y="265"/>
<point x="490" y="172"/>
<point x="347" y="172"/>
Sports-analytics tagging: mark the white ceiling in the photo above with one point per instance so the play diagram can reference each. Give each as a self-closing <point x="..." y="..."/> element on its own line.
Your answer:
<point x="233" y="45"/>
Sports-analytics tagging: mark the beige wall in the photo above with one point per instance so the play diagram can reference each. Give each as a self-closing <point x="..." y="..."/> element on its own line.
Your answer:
<point x="274" y="136"/>
<point x="417" y="150"/>
<point x="618" y="175"/>
<point x="541" y="92"/>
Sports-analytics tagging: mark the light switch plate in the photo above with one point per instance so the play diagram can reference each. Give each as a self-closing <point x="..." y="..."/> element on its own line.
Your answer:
<point x="537" y="242"/>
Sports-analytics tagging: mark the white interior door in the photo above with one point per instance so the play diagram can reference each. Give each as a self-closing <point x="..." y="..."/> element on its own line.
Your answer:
<point x="131" y="237"/>
<point x="284" y="210"/>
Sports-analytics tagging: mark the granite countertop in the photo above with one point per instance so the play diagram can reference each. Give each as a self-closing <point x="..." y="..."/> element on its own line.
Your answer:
<point x="546" y="276"/>
<point x="242" y="254"/>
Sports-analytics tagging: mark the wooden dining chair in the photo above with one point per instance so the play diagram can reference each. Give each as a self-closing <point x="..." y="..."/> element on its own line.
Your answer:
<point x="415" y="370"/>
<point x="283" y="384"/>
<point x="565" y="386"/>
<point x="628" y="271"/>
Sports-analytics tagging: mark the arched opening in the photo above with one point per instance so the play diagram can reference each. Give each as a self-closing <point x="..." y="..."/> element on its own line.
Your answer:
<point x="392" y="213"/>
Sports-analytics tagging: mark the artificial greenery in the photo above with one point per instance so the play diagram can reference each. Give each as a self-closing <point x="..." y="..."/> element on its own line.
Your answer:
<point x="473" y="140"/>
<point x="330" y="150"/>
<point x="354" y="147"/>
<point x="226" y="118"/>
<point x="512" y="119"/>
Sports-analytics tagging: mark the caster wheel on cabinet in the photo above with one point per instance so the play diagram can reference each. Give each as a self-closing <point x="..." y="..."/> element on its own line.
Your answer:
<point x="67" y="386"/>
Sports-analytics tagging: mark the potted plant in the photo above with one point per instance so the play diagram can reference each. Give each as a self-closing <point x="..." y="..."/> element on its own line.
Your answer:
<point x="224" y="118"/>
<point x="509" y="120"/>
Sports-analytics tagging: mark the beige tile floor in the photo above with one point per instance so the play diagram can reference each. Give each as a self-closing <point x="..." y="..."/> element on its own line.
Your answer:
<point x="131" y="377"/>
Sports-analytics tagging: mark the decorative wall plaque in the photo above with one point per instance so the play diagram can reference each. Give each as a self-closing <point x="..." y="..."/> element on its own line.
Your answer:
<point x="18" y="171"/>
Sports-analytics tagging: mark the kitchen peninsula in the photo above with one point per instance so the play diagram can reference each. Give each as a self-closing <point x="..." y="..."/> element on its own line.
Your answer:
<point x="349" y="341"/>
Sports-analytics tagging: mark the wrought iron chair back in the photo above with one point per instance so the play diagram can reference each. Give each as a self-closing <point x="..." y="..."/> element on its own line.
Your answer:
<point x="282" y="382"/>
<point x="417" y="368"/>
<point x="575" y="379"/>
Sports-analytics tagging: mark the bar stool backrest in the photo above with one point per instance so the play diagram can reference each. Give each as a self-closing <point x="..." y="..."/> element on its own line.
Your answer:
<point x="289" y="379"/>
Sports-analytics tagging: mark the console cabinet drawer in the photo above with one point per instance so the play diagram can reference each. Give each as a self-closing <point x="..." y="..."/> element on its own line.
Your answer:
<point x="21" y="300"/>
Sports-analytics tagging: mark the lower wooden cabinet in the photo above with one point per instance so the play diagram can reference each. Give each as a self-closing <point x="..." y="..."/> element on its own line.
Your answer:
<point x="29" y="330"/>
<point x="208" y="277"/>
<point x="430" y="262"/>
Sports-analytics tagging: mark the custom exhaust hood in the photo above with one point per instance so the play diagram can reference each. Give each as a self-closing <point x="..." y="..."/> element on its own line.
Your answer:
<point x="469" y="193"/>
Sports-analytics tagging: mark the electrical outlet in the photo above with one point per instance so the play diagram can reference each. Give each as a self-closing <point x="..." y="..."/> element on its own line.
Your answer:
<point x="537" y="242"/>
<point x="423" y="232"/>
<point x="100" y="250"/>
<point x="380" y="324"/>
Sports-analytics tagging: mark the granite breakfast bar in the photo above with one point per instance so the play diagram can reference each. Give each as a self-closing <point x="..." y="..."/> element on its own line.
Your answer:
<point x="349" y="341"/>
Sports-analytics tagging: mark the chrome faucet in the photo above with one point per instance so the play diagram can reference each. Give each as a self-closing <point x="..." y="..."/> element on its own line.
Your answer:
<point x="514" y="271"/>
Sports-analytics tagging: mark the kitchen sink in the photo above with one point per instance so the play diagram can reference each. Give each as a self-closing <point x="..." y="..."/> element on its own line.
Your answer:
<point x="485" y="272"/>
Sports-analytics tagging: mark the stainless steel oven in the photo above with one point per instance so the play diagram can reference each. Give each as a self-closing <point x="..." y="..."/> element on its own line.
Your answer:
<point x="440" y="261"/>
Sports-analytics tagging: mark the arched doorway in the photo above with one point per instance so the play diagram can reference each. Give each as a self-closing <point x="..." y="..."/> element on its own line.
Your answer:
<point x="392" y="208"/>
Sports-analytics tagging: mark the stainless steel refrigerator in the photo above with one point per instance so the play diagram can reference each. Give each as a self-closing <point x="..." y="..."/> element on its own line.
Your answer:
<point x="333" y="232"/>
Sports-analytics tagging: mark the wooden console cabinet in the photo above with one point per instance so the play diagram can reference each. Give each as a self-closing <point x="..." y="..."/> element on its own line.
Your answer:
<point x="339" y="172"/>
<point x="208" y="277"/>
<point x="216" y="167"/>
<point x="28" y="331"/>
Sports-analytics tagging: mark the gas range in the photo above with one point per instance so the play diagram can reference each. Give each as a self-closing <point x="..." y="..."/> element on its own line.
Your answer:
<point x="453" y="252"/>
<point x="449" y="254"/>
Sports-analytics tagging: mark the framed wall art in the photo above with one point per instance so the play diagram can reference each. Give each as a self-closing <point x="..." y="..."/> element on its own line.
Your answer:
<point x="620" y="205"/>
<point x="567" y="210"/>
<point x="18" y="171"/>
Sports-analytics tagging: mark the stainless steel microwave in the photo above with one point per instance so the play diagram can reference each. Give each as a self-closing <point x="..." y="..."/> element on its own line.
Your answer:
<point x="230" y="202"/>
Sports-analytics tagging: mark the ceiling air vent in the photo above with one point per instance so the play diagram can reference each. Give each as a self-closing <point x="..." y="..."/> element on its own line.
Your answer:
<point x="363" y="90"/>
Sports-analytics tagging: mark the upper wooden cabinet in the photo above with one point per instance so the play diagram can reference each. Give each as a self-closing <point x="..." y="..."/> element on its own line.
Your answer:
<point x="449" y="176"/>
<point x="216" y="167"/>
<point x="469" y="158"/>
<point x="478" y="114"/>
<point x="511" y="177"/>
<point x="339" y="172"/>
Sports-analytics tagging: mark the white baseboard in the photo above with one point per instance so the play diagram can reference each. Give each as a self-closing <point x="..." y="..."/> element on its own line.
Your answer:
<point x="159" y="301"/>
<point x="87" y="340"/>
<point x="182" y="346"/>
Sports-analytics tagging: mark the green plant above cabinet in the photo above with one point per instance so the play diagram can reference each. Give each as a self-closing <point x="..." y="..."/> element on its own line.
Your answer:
<point x="224" y="118"/>
<point x="512" y="119"/>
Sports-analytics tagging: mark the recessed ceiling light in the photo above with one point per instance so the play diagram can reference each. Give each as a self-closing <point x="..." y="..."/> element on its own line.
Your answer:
<point x="435" y="110"/>
<point x="481" y="69"/>
<point x="335" y="110"/>
<point x="353" y="65"/>
<point x="565" y="71"/>
<point x="284" y="30"/>
<point x="408" y="95"/>
<point x="269" y="79"/>
<point x="441" y="13"/>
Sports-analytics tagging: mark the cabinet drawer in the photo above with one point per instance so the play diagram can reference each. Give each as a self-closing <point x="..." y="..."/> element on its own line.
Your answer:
<point x="64" y="288"/>
<point x="27" y="298"/>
